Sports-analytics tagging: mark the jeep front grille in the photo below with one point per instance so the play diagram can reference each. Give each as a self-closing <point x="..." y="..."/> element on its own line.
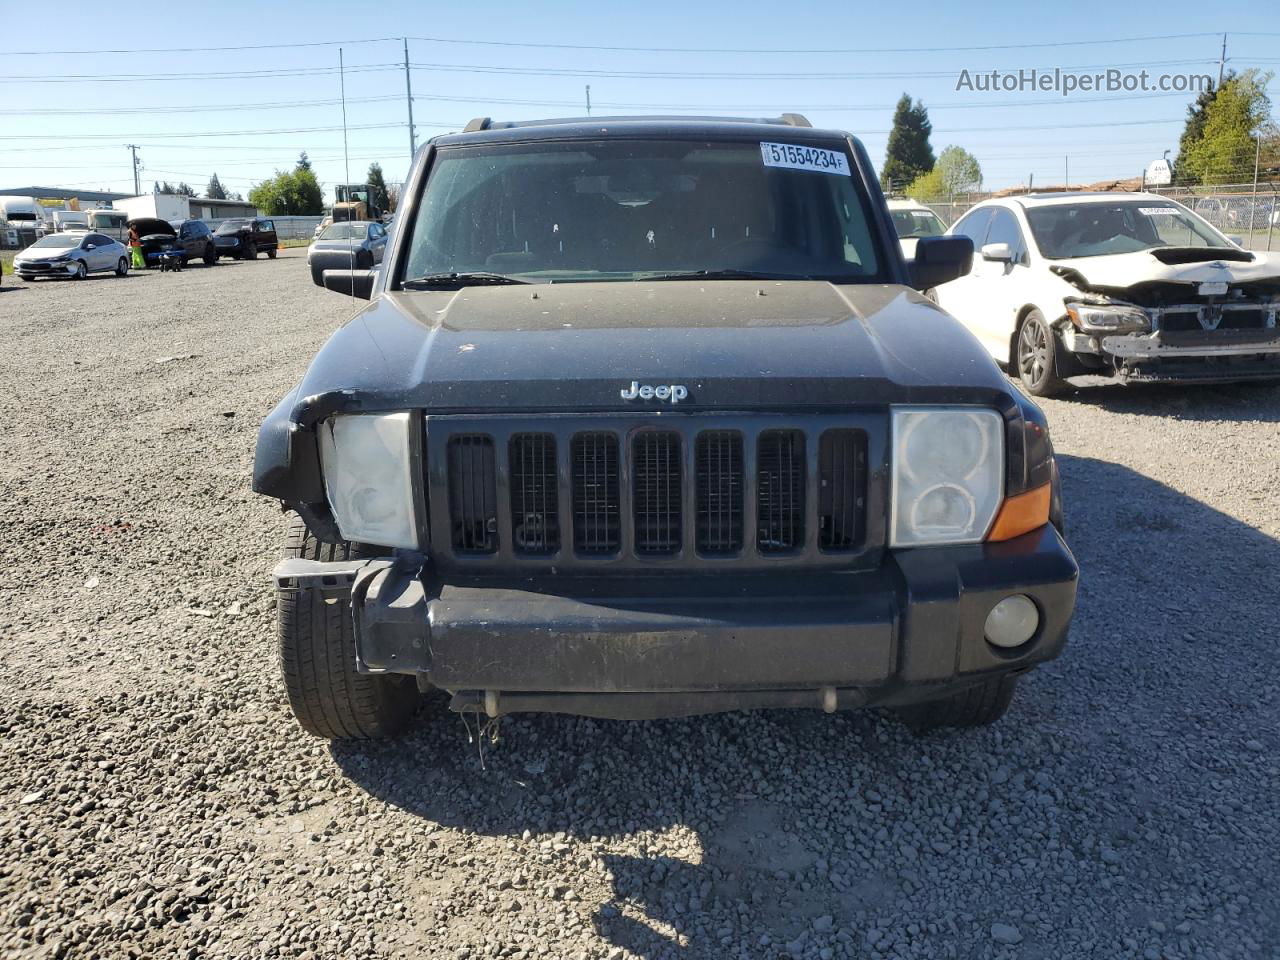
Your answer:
<point x="535" y="510"/>
<point x="472" y="501"/>
<point x="579" y="492"/>
<point x="597" y="524"/>
<point x="718" y="462"/>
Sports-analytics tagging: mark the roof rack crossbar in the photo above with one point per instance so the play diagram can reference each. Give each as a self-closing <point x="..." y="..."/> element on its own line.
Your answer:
<point x="485" y="123"/>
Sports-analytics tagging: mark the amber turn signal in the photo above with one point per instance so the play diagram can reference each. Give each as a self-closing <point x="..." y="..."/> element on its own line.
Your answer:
<point x="1021" y="514"/>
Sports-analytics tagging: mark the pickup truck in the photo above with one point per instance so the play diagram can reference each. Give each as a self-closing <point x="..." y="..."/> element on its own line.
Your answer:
<point x="648" y="417"/>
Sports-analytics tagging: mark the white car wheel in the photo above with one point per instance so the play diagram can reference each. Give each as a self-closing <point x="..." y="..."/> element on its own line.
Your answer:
<point x="82" y="270"/>
<point x="122" y="267"/>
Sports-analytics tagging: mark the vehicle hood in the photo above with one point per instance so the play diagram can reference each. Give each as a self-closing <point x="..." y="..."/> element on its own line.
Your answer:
<point x="1169" y="265"/>
<point x="45" y="252"/>
<point x="153" y="227"/>
<point x="733" y="345"/>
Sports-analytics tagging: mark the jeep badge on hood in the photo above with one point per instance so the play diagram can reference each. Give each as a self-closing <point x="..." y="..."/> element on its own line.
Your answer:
<point x="675" y="392"/>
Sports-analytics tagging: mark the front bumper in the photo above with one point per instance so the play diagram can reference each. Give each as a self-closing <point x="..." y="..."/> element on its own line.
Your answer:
<point x="1216" y="355"/>
<point x="666" y="646"/>
<point x="28" y="270"/>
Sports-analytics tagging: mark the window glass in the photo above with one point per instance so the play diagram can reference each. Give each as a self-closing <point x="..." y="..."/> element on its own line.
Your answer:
<point x="1100" y="229"/>
<point x="624" y="209"/>
<point x="917" y="223"/>
<point x="1004" y="229"/>
<point x="974" y="226"/>
<point x="266" y="225"/>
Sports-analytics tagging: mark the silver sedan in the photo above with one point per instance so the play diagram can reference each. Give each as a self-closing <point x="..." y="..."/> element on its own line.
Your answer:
<point x="72" y="255"/>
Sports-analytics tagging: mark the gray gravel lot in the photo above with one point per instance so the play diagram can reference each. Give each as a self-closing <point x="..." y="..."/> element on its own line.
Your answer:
<point x="157" y="800"/>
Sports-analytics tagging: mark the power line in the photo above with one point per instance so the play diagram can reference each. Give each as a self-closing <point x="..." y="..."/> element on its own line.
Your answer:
<point x="209" y="108"/>
<point x="202" y="75"/>
<point x="221" y="133"/>
<point x="762" y="74"/>
<point x="638" y="49"/>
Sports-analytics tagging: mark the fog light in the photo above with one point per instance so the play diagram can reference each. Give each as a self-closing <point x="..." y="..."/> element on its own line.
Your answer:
<point x="1012" y="621"/>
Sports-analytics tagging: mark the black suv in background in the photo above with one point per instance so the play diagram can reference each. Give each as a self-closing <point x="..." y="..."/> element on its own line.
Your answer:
<point x="191" y="237"/>
<point x="245" y="239"/>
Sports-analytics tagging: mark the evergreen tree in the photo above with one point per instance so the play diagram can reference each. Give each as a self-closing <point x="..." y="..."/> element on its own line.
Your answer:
<point x="378" y="197"/>
<point x="304" y="162"/>
<point x="1193" y="129"/>
<point x="909" y="154"/>
<point x="215" y="190"/>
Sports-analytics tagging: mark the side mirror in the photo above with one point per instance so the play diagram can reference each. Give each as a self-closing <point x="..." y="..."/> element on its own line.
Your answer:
<point x="91" y="246"/>
<point x="939" y="260"/>
<point x="997" y="251"/>
<point x="352" y="283"/>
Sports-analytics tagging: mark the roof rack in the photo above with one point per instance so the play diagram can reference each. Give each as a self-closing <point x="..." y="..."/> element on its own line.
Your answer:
<point x="485" y="123"/>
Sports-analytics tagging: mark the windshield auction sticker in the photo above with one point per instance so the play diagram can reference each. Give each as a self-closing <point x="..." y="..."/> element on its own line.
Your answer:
<point x="795" y="157"/>
<point x="1159" y="211"/>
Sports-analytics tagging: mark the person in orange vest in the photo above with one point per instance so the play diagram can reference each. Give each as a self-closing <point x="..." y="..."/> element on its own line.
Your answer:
<point x="135" y="248"/>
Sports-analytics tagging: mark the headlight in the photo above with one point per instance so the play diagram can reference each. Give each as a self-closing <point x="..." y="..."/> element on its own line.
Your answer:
<point x="948" y="474"/>
<point x="368" y="477"/>
<point x="1101" y="319"/>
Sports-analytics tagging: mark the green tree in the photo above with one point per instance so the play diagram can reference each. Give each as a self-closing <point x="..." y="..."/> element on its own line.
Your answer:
<point x="378" y="188"/>
<point x="1236" y="120"/>
<point x="292" y="192"/>
<point x="184" y="190"/>
<point x="909" y="154"/>
<point x="304" y="162"/>
<point x="956" y="172"/>
<point x="215" y="190"/>
<point x="1193" y="128"/>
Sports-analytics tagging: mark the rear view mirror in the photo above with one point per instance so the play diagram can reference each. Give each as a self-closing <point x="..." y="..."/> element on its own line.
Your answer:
<point x="353" y="283"/>
<point x="939" y="260"/>
<point x="997" y="251"/>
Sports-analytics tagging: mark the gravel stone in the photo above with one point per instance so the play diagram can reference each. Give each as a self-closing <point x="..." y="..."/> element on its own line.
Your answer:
<point x="156" y="799"/>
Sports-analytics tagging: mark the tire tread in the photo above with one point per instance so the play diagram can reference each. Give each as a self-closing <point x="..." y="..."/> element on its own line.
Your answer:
<point x="316" y="653"/>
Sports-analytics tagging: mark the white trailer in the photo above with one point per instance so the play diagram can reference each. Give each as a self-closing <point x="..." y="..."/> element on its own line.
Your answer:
<point x="162" y="206"/>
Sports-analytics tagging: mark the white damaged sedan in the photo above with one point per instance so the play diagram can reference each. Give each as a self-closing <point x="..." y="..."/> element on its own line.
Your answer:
<point x="73" y="255"/>
<point x="1130" y="285"/>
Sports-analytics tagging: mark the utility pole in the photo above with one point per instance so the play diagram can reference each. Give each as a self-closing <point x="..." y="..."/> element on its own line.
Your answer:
<point x="1222" y="60"/>
<point x="1253" y="203"/>
<point x="133" y="151"/>
<point x="1066" y="173"/>
<point x="588" y="99"/>
<point x="408" y="99"/>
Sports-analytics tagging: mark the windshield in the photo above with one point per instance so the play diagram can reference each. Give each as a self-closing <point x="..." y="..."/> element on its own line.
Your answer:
<point x="917" y="223"/>
<point x="232" y="226"/>
<point x="1064" y="231"/>
<point x="345" y="231"/>
<point x="627" y="209"/>
<point x="54" y="240"/>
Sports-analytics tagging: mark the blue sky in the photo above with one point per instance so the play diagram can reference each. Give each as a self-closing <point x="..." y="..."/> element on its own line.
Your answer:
<point x="1013" y="135"/>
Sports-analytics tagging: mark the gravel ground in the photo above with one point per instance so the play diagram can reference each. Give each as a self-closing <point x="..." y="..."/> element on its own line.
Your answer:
<point x="157" y="800"/>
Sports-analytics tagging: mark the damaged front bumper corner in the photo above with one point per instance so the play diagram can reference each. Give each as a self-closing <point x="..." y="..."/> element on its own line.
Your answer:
<point x="1205" y="356"/>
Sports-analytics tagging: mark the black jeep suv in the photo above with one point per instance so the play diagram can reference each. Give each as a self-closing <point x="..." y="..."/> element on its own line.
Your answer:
<point x="647" y="418"/>
<point x="245" y="239"/>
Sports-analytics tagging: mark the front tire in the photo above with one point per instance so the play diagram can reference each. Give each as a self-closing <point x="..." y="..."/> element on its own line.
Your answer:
<point x="1036" y="357"/>
<point x="271" y="254"/>
<point x="82" y="270"/>
<point x="976" y="706"/>
<point x="122" y="267"/>
<point x="251" y="252"/>
<point x="328" y="697"/>
<point x="210" y="255"/>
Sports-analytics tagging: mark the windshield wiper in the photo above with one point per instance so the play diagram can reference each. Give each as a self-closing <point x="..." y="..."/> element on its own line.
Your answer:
<point x="478" y="279"/>
<point x="725" y="275"/>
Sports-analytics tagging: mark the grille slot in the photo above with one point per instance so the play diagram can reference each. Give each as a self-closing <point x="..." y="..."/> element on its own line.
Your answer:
<point x="780" y="491"/>
<point x="718" y="462"/>
<point x="473" y="502"/>
<point x="597" y="524"/>
<point x="656" y="492"/>
<point x="842" y="458"/>
<point x="535" y="514"/>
